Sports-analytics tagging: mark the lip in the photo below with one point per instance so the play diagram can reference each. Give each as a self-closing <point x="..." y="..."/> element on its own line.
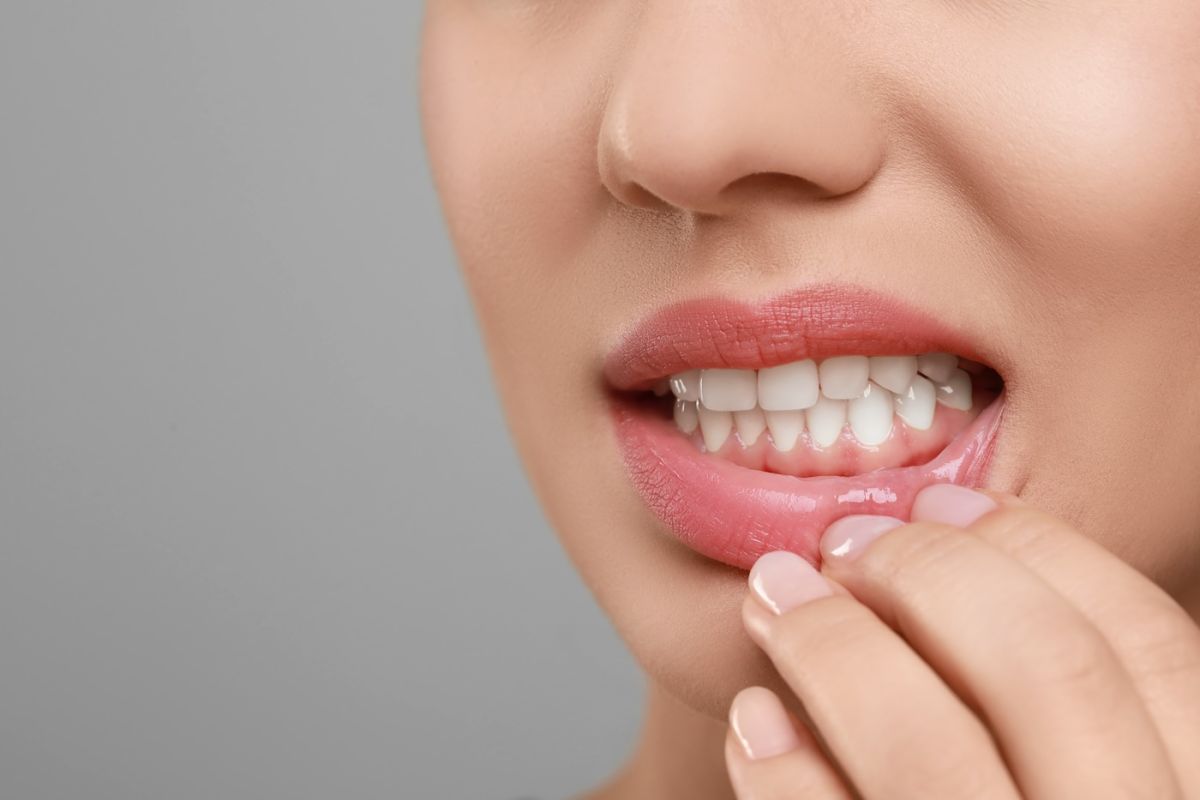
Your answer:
<point x="733" y="514"/>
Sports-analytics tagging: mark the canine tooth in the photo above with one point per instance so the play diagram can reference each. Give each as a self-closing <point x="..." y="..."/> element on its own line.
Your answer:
<point x="916" y="406"/>
<point x="661" y="388"/>
<point x="686" y="416"/>
<point x="825" y="420"/>
<point x="749" y="425"/>
<point x="729" y="389"/>
<point x="937" y="366"/>
<point x="955" y="392"/>
<point x="894" y="373"/>
<point x="686" y="385"/>
<point x="715" y="427"/>
<point x="844" y="377"/>
<point x="788" y="386"/>
<point x="785" y="427"/>
<point x="871" y="415"/>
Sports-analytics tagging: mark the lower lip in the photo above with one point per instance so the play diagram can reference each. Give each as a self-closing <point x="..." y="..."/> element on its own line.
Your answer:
<point x="734" y="515"/>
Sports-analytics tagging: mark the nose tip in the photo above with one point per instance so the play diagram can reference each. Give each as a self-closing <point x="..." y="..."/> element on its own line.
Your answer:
<point x="703" y="122"/>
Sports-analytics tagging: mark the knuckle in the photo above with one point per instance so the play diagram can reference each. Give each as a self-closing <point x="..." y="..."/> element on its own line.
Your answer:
<point x="1026" y="533"/>
<point x="915" y="556"/>
<point x="1067" y="654"/>
<point x="1162" y="642"/>
<point x="820" y="632"/>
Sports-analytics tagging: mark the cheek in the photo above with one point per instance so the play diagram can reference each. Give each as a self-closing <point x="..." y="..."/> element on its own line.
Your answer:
<point x="1087" y="142"/>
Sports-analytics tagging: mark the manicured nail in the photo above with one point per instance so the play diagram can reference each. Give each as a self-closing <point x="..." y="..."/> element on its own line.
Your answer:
<point x="846" y="538"/>
<point x="949" y="503"/>
<point x="782" y="580"/>
<point x="761" y="723"/>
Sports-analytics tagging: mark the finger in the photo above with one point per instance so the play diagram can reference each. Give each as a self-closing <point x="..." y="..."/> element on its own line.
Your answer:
<point x="1061" y="705"/>
<point x="1155" y="639"/>
<point x="891" y="723"/>
<point x="770" y="756"/>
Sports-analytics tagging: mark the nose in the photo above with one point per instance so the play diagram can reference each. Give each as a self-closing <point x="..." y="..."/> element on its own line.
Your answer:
<point x="715" y="101"/>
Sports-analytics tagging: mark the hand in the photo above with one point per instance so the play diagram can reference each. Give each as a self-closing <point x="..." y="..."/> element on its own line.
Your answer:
<point x="986" y="650"/>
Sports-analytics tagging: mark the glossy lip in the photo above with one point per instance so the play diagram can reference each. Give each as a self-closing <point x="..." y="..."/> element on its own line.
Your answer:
<point x="733" y="514"/>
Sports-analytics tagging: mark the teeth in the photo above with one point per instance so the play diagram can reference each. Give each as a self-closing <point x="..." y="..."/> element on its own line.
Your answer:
<point x="788" y="386"/>
<point x="686" y="416"/>
<point x="785" y="427"/>
<point x="955" y="392"/>
<point x="865" y="392"/>
<point x="894" y="373"/>
<point x="715" y="427"/>
<point x="686" y="385"/>
<point x="825" y="420"/>
<point x="916" y="406"/>
<point x="871" y="415"/>
<point x="938" y="367"/>
<point x="729" y="389"/>
<point x="750" y="425"/>
<point x="844" y="377"/>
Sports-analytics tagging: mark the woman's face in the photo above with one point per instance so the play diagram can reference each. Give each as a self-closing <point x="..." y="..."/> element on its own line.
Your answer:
<point x="639" y="188"/>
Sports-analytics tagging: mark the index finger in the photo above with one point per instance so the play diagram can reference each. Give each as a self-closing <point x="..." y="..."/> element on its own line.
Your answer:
<point x="1153" y="637"/>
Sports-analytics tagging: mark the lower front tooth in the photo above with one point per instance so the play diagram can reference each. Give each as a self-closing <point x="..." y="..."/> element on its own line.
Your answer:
<point x="715" y="427"/>
<point x="750" y="425"/>
<point x="826" y="420"/>
<point x="871" y="415"/>
<point x="916" y="406"/>
<point x="956" y="391"/>
<point x="686" y="417"/>
<point x="785" y="427"/>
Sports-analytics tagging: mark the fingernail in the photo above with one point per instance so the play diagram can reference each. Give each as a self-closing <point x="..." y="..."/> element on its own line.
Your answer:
<point x="761" y="723"/>
<point x="846" y="538"/>
<point x="782" y="580"/>
<point x="949" y="503"/>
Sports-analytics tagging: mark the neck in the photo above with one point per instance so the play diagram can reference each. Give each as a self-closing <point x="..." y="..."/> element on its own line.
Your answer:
<point x="680" y="754"/>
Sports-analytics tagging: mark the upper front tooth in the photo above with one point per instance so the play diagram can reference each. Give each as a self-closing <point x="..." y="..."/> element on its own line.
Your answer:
<point x="825" y="420"/>
<point x="844" y="377"/>
<point x="916" y="406"/>
<point x="955" y="392"/>
<point x="788" y="386"/>
<point x="937" y="366"/>
<point x="715" y="427"/>
<point x="871" y="415"/>
<point x="894" y="373"/>
<point x="686" y="385"/>
<point x="750" y="425"/>
<point x="729" y="389"/>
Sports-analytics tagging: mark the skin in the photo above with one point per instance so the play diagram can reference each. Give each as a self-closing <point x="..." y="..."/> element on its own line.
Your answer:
<point x="1025" y="170"/>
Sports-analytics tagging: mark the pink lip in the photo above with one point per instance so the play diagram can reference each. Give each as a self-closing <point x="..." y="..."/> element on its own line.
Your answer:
<point x="733" y="514"/>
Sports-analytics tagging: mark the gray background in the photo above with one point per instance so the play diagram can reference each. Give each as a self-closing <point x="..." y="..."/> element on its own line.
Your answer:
<point x="261" y="530"/>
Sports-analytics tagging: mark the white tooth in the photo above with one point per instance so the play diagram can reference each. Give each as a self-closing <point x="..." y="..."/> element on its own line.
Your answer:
<point x="661" y="388"/>
<point x="729" y="389"/>
<point x="844" y="377"/>
<point x="894" y="373"/>
<point x="686" y="416"/>
<point x="956" y="392"/>
<point x="916" y="405"/>
<point x="715" y="427"/>
<point x="785" y="427"/>
<point x="825" y="420"/>
<point x="788" y="386"/>
<point x="686" y="385"/>
<point x="750" y="425"/>
<point x="871" y="415"/>
<point x="937" y="366"/>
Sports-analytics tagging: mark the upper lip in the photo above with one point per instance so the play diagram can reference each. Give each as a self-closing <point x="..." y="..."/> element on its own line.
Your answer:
<point x="812" y="322"/>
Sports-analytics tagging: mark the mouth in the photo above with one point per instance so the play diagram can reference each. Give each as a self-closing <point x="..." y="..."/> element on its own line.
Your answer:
<point x="748" y="427"/>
